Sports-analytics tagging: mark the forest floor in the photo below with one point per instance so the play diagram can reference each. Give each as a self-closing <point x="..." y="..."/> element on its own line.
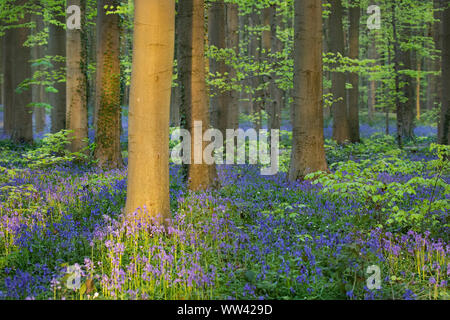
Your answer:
<point x="257" y="237"/>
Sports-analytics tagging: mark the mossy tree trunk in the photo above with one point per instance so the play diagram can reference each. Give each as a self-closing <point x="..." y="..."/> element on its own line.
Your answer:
<point x="107" y="135"/>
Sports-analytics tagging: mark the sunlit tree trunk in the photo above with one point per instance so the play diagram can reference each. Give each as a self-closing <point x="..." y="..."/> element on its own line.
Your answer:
<point x="151" y="82"/>
<point x="341" y="131"/>
<point x="57" y="47"/>
<point x="444" y="121"/>
<point x="194" y="102"/>
<point x="107" y="135"/>
<point x="308" y="153"/>
<point x="353" y="95"/>
<point x="76" y="102"/>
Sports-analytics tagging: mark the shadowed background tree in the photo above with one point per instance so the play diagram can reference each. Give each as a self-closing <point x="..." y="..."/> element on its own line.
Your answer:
<point x="194" y="101"/>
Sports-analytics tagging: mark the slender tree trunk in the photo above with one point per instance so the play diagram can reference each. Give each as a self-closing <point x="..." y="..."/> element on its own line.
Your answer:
<point x="276" y="94"/>
<point x="7" y="81"/>
<point x="444" y="122"/>
<point x="21" y="112"/>
<point x="341" y="131"/>
<point x="407" y="114"/>
<point x="107" y="135"/>
<point x="148" y="135"/>
<point x="258" y="95"/>
<point x="399" y="105"/>
<point x="76" y="99"/>
<point x="308" y="153"/>
<point x="37" y="91"/>
<point x="2" y="76"/>
<point x="175" y="107"/>
<point x="372" y="87"/>
<point x="57" y="47"/>
<point x="435" y="80"/>
<point x="245" y="97"/>
<point x="194" y="102"/>
<point x="233" y="44"/>
<point x="353" y="95"/>
<point x="217" y="38"/>
<point x="418" y="87"/>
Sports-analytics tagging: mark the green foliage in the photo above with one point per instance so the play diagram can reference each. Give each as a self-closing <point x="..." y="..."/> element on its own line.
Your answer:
<point x="53" y="151"/>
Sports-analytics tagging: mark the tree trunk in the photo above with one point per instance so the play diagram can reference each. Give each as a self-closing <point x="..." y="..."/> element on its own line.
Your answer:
<point x="341" y="131"/>
<point x="57" y="47"/>
<point x="21" y="113"/>
<point x="399" y="105"/>
<point x="107" y="135"/>
<point x="353" y="95"/>
<point x="194" y="101"/>
<point x="276" y="94"/>
<point x="175" y="107"/>
<point x="372" y="87"/>
<point x="217" y="38"/>
<point x="257" y="95"/>
<point x="76" y="99"/>
<point x="444" y="122"/>
<point x="37" y="91"/>
<point x="232" y="24"/>
<point x="7" y="61"/>
<point x="308" y="153"/>
<point x="435" y="80"/>
<point x="407" y="108"/>
<point x="148" y="135"/>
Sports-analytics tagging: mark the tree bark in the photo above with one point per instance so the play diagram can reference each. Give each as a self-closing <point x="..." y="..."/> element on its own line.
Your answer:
<point x="341" y="131"/>
<point x="353" y="95"/>
<point x="407" y="114"/>
<point x="107" y="134"/>
<point x="7" y="82"/>
<point x="57" y="47"/>
<point x="308" y="153"/>
<point x="217" y="38"/>
<point x="76" y="98"/>
<point x="232" y="31"/>
<point x="372" y="87"/>
<point x="148" y="135"/>
<point x="38" y="92"/>
<point x="21" y="130"/>
<point x="276" y="94"/>
<point x="194" y="102"/>
<point x="444" y="121"/>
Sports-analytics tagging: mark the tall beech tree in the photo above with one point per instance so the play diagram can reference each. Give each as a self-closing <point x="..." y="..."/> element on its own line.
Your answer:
<point x="38" y="91"/>
<point x="17" y="69"/>
<point x="107" y="135"/>
<point x="353" y="53"/>
<point x="232" y="42"/>
<point x="444" y="121"/>
<point x="217" y="38"/>
<point x="76" y="102"/>
<point x="308" y="152"/>
<point x="194" y="102"/>
<point x="57" y="47"/>
<point x="148" y="135"/>
<point x="341" y="130"/>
